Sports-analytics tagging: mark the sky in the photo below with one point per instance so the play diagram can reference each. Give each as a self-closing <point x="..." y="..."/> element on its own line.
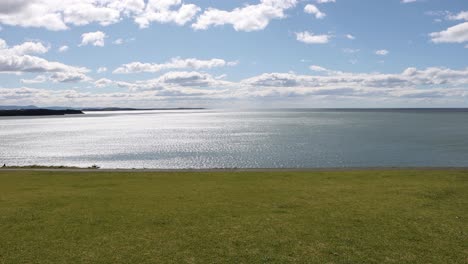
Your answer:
<point x="259" y="53"/>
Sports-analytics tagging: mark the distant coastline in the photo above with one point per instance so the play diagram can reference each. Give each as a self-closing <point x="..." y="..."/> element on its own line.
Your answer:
<point x="35" y="111"/>
<point x="39" y="112"/>
<point x="137" y="109"/>
<point x="31" y="110"/>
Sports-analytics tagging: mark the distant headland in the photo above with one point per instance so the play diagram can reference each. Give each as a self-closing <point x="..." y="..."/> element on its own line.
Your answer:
<point x="31" y="110"/>
<point x="38" y="112"/>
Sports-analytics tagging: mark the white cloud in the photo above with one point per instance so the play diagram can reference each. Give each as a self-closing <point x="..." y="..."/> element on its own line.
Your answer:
<point x="317" y="68"/>
<point x="60" y="15"/>
<point x="349" y="50"/>
<point x="84" y="13"/>
<point x="118" y="41"/>
<point x="26" y="95"/>
<point x="37" y="79"/>
<point x="411" y="77"/>
<point x="312" y="9"/>
<point x="188" y="79"/>
<point x="18" y="59"/>
<point x="247" y="18"/>
<point x="174" y="63"/>
<point x="69" y="76"/>
<point x="29" y="48"/>
<point x="408" y="1"/>
<point x="321" y="69"/>
<point x="63" y="48"/>
<point x="166" y="11"/>
<point x="173" y="79"/>
<point x="222" y="76"/>
<point x="382" y="52"/>
<point x="349" y="36"/>
<point x="101" y="69"/>
<point x="55" y="15"/>
<point x="310" y="38"/>
<point x="93" y="38"/>
<point x="411" y="84"/>
<point x="463" y="15"/>
<point x="31" y="14"/>
<point x="454" y="34"/>
<point x="325" y="1"/>
<point x="62" y="77"/>
<point x="24" y="48"/>
<point x="175" y="84"/>
<point x="103" y="82"/>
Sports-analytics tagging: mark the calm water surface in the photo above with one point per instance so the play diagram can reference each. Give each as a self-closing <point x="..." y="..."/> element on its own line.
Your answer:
<point x="242" y="139"/>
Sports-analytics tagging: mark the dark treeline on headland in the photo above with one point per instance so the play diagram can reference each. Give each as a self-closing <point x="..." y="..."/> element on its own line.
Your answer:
<point x="38" y="112"/>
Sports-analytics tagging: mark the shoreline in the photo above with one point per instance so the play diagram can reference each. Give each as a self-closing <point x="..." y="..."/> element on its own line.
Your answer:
<point x="329" y="169"/>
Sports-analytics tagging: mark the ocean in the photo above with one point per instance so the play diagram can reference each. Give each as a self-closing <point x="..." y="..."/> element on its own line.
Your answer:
<point x="281" y="138"/>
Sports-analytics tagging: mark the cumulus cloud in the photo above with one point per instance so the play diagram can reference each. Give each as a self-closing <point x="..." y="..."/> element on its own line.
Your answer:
<point x="310" y="38"/>
<point x="118" y="41"/>
<point x="103" y="82"/>
<point x="187" y="79"/>
<point x="415" y="84"/>
<point x="312" y="9"/>
<point x="325" y="1"/>
<point x="382" y="52"/>
<point x="411" y="83"/>
<point x="349" y="50"/>
<point x="101" y="69"/>
<point x="408" y="1"/>
<point x="26" y="95"/>
<point x="63" y="48"/>
<point x="62" y="77"/>
<point x="27" y="63"/>
<point x="60" y="15"/>
<point x="176" y="79"/>
<point x="349" y="36"/>
<point x="37" y="79"/>
<point x="409" y="78"/>
<point x="68" y="77"/>
<point x="247" y="18"/>
<point x="463" y="15"/>
<point x="174" y="63"/>
<point x="318" y="68"/>
<point x="167" y="11"/>
<point x="93" y="38"/>
<point x="18" y="59"/>
<point x="454" y="34"/>
<point x="23" y="49"/>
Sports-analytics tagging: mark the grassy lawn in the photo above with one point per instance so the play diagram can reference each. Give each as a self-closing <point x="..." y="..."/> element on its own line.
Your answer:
<point x="234" y="217"/>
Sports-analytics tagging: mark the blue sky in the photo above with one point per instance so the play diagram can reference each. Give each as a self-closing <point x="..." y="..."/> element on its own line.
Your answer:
<point x="265" y="53"/>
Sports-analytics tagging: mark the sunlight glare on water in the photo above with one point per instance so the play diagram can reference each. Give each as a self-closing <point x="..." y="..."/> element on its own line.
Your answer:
<point x="237" y="139"/>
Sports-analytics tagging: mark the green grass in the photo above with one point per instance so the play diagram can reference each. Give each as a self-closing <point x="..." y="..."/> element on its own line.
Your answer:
<point x="234" y="217"/>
